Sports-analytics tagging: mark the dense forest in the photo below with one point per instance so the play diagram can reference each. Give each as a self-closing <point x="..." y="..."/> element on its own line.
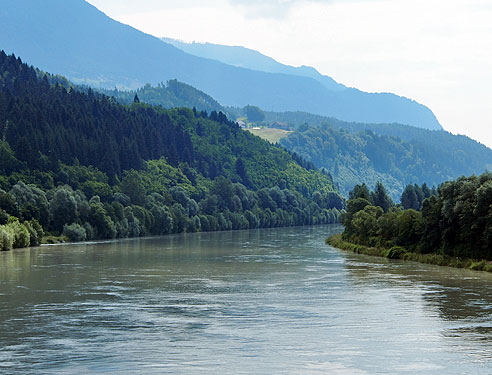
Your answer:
<point x="457" y="222"/>
<point x="83" y="166"/>
<point x="351" y="152"/>
<point x="402" y="156"/>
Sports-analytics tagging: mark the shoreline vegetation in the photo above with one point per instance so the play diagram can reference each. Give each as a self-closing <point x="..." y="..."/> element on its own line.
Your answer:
<point x="450" y="225"/>
<point x="398" y="252"/>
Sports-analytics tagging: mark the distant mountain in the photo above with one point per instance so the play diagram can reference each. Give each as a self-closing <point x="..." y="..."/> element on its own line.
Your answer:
<point x="251" y="59"/>
<point x="73" y="38"/>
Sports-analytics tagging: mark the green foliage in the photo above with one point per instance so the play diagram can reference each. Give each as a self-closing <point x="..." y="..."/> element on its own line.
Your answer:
<point x="36" y="232"/>
<point x="456" y="223"/>
<point x="254" y="114"/>
<point x="133" y="187"/>
<point x="7" y="237"/>
<point x="90" y="168"/>
<point x="171" y="95"/>
<point x="394" y="154"/>
<point x="380" y="198"/>
<point x="21" y="236"/>
<point x="75" y="232"/>
<point x="396" y="252"/>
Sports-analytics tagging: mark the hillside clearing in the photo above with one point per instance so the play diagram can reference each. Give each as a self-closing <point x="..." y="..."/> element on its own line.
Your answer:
<point x="270" y="134"/>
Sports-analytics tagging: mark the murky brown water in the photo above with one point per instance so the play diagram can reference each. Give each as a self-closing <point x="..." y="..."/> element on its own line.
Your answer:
<point x="274" y="301"/>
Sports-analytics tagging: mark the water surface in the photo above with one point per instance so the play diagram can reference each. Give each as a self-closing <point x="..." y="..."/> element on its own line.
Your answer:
<point x="274" y="301"/>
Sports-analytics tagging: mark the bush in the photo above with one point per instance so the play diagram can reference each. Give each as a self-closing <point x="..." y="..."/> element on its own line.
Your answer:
<point x="22" y="237"/>
<point x="75" y="232"/>
<point x="6" y="238"/>
<point x="35" y="232"/>
<point x="396" y="252"/>
<point x="4" y="217"/>
<point x="89" y="230"/>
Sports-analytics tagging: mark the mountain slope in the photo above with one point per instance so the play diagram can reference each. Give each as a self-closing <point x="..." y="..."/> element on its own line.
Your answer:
<point x="86" y="167"/>
<point x="73" y="38"/>
<point x="365" y="157"/>
<point x="353" y="153"/>
<point x="251" y="59"/>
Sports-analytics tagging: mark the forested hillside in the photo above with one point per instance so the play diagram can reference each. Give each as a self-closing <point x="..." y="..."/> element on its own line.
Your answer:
<point x="87" y="167"/>
<point x="352" y="153"/>
<point x="407" y="155"/>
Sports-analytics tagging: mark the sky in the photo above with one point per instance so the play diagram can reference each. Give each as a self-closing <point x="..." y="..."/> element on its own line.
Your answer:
<point x="437" y="52"/>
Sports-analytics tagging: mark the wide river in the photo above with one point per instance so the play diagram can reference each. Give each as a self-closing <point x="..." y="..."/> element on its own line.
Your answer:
<point x="276" y="301"/>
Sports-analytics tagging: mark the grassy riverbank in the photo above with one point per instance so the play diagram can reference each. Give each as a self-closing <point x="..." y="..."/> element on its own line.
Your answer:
<point x="398" y="252"/>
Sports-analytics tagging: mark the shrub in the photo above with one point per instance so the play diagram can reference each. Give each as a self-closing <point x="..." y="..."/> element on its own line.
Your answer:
<point x="89" y="230"/>
<point x="396" y="252"/>
<point x="75" y="232"/>
<point x="22" y="237"/>
<point x="35" y="232"/>
<point x="6" y="238"/>
<point x="4" y="217"/>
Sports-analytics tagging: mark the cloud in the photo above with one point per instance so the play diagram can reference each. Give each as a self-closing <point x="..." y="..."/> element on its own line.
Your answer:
<point x="279" y="9"/>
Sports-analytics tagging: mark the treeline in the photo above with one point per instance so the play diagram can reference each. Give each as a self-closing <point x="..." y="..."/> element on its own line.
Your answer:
<point x="455" y="223"/>
<point x="159" y="199"/>
<point x="82" y="166"/>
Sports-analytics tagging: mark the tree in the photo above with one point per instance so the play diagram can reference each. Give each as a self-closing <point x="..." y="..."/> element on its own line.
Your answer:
<point x="254" y="114"/>
<point x="360" y="191"/>
<point x="133" y="187"/>
<point x="380" y="198"/>
<point x="241" y="171"/>
<point x="409" y="198"/>
<point x="63" y="207"/>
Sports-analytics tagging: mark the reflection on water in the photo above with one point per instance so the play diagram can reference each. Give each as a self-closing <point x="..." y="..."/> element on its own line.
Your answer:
<point x="263" y="302"/>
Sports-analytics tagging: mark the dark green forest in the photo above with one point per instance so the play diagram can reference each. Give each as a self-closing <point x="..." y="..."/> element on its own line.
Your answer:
<point x="83" y="166"/>
<point x="397" y="155"/>
<point x="456" y="222"/>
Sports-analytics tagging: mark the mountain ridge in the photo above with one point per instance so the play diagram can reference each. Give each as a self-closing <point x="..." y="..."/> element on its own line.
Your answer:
<point x="73" y="38"/>
<point x="251" y="59"/>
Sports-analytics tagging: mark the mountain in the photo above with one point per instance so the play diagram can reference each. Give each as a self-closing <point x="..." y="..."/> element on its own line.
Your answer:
<point x="251" y="59"/>
<point x="352" y="153"/>
<point x="81" y="165"/>
<point x="73" y="38"/>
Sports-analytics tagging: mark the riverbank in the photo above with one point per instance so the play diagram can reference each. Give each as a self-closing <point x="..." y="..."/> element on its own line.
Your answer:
<point x="398" y="252"/>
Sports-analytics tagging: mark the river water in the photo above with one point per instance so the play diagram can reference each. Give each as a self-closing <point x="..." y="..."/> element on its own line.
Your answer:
<point x="276" y="301"/>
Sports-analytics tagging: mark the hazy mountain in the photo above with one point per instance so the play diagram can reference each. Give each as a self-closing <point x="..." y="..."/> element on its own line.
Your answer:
<point x="73" y="38"/>
<point x="251" y="59"/>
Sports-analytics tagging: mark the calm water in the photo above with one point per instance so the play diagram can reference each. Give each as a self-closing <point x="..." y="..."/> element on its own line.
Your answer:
<point x="251" y="302"/>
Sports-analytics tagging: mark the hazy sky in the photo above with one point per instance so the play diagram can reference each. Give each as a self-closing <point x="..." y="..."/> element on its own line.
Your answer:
<point x="437" y="52"/>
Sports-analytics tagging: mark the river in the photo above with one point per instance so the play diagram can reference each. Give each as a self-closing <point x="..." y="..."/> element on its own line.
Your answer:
<point x="273" y="301"/>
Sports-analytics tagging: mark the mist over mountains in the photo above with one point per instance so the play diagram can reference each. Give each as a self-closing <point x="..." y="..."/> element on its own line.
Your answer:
<point x="73" y="38"/>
